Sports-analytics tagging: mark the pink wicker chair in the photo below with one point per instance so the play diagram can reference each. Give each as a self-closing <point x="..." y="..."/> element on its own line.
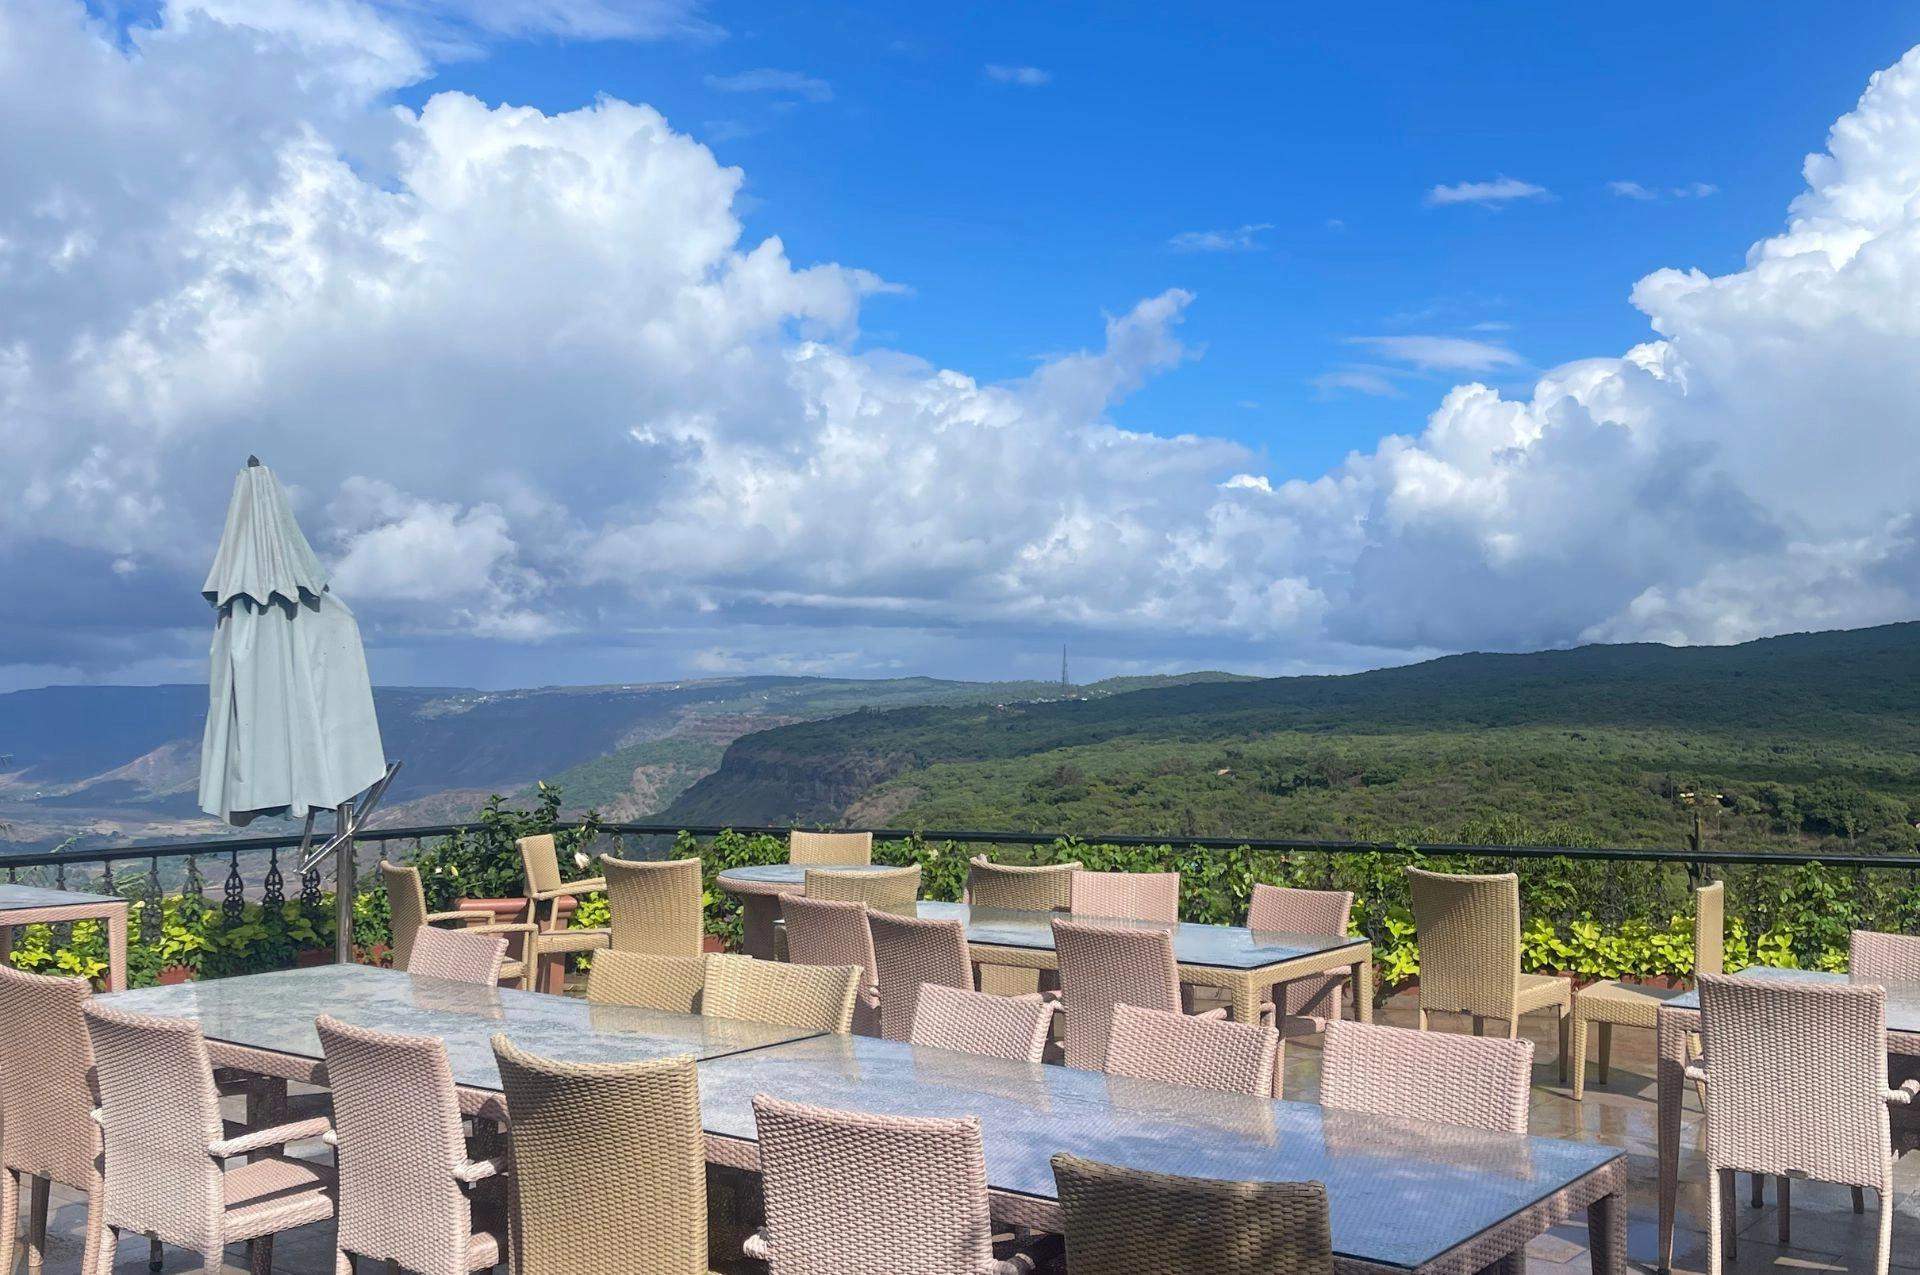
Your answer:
<point x="1204" y="1052"/>
<point x="1106" y="965"/>
<point x="1895" y="957"/>
<point x="459" y="956"/>
<point x="1477" y="1081"/>
<point x="848" y="1191"/>
<point x="1131" y="896"/>
<point x="409" y="1192"/>
<point x="1309" y="1001"/>
<point x="830" y="932"/>
<point x="164" y="1142"/>
<point x="910" y="954"/>
<point x="47" y="1132"/>
<point x="1795" y="1078"/>
<point x="1012" y="1027"/>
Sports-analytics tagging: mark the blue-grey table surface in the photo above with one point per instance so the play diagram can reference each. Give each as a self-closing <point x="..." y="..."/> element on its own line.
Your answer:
<point x="14" y="897"/>
<point x="1400" y="1192"/>
<point x="1903" y="998"/>
<point x="275" y="1012"/>
<point x="1222" y="946"/>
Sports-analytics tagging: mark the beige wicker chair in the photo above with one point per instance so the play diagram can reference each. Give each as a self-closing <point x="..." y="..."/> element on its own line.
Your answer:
<point x="407" y="915"/>
<point x="844" y="848"/>
<point x="910" y="954"/>
<point x="656" y="906"/>
<point x="895" y="890"/>
<point x="1613" y="1004"/>
<point x="1106" y="965"/>
<point x="1894" y="957"/>
<point x="409" y="1192"/>
<point x="1796" y="1085"/>
<point x="164" y="1143"/>
<point x="671" y="983"/>
<point x="1309" y="1001"/>
<point x="835" y="933"/>
<point x="457" y="956"/>
<point x="1128" y="1222"/>
<point x="541" y="859"/>
<point x="1436" y="1076"/>
<point x="47" y="1132"/>
<point x="1204" y="1052"/>
<point x="1468" y="929"/>
<point x="631" y="1131"/>
<point x="1131" y="896"/>
<point x="819" y="997"/>
<point x="1011" y="1027"/>
<point x="849" y="1191"/>
<point x="1045" y="888"/>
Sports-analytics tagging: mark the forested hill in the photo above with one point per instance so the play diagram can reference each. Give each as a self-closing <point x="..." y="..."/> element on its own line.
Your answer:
<point x="1599" y="742"/>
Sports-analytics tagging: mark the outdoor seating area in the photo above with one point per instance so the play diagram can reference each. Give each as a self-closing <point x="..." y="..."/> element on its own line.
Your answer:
<point x="1055" y="1073"/>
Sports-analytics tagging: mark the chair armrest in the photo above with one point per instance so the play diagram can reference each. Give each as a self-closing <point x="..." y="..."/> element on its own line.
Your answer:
<point x="504" y="927"/>
<point x="1051" y="997"/>
<point x="463" y="916"/>
<point x="1696" y="1073"/>
<point x="1214" y="1015"/>
<point x="471" y="1171"/>
<point x="1906" y="1093"/>
<point x="567" y="889"/>
<point x="278" y="1135"/>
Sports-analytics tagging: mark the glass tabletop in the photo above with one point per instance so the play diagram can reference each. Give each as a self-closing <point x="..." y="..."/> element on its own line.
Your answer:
<point x="1401" y="1193"/>
<point x="16" y="897"/>
<point x="1221" y="946"/>
<point x="795" y="873"/>
<point x="1903" y="998"/>
<point x="275" y="1012"/>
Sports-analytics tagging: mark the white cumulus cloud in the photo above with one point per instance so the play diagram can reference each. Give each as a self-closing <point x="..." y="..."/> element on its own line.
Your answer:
<point x="1489" y="194"/>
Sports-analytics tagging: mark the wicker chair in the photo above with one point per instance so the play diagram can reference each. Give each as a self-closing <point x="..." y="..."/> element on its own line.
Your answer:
<point x="1894" y="957"/>
<point x="843" y="848"/>
<point x="910" y="954"/>
<point x="1435" y="1076"/>
<point x="1796" y="1084"/>
<point x="1122" y="1221"/>
<point x="895" y="890"/>
<point x="1613" y="1004"/>
<point x="457" y="956"/>
<point x="835" y="933"/>
<point x="541" y="860"/>
<point x="630" y="1129"/>
<point x="1309" y="1001"/>
<point x="1131" y="896"/>
<point x="1106" y="965"/>
<point x="656" y="907"/>
<point x="1011" y="1027"/>
<point x="47" y="1133"/>
<point x="409" y="1192"/>
<point x="819" y="997"/>
<point x="1468" y="928"/>
<point x="164" y="1141"/>
<point x="1048" y="888"/>
<point x="1204" y="1052"/>
<point x="849" y="1191"/>
<point x="407" y="914"/>
<point x="671" y="983"/>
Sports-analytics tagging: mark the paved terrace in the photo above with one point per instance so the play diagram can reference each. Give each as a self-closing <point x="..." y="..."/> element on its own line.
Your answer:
<point x="1826" y="1234"/>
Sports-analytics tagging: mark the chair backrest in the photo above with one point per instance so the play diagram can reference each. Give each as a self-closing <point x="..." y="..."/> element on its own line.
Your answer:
<point x="671" y="983"/>
<point x="1106" y="965"/>
<point x="160" y="1113"/>
<point x="459" y="956"/>
<point x="1895" y="957"/>
<point x="1480" y="1082"/>
<point x="1294" y="911"/>
<point x="850" y="1191"/>
<point x="1797" y="1078"/>
<point x="541" y="859"/>
<point x="406" y="908"/>
<point x="46" y="1065"/>
<point x="1132" y="896"/>
<point x="909" y="954"/>
<point x="819" y="997"/>
<point x="630" y="1129"/>
<point x="655" y="906"/>
<point x="1047" y="888"/>
<point x="1180" y="1049"/>
<point x="1011" y="1027"/>
<point x="1468" y="928"/>
<point x="887" y="890"/>
<point x="1119" y="1221"/>
<point x="829" y="847"/>
<point x="397" y="1120"/>
<point x="828" y="932"/>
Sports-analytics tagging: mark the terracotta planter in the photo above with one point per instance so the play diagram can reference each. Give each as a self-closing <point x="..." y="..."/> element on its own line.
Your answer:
<point x="173" y="975"/>
<point x="712" y="943"/>
<point x="308" y="957"/>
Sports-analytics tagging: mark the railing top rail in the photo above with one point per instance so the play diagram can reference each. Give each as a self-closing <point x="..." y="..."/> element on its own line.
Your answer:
<point x="1276" y="845"/>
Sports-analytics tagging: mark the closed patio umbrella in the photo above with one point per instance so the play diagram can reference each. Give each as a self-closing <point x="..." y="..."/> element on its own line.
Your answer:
<point x="290" y="721"/>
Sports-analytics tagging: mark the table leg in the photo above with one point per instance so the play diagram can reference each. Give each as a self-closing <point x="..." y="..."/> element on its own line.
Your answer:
<point x="1248" y="995"/>
<point x="6" y="943"/>
<point x="1607" y="1235"/>
<point x="1362" y="979"/>
<point x="116" y="949"/>
<point x="1670" y="1084"/>
<point x="758" y="912"/>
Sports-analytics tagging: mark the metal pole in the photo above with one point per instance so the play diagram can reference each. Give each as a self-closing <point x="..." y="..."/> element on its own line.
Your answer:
<point x="343" y="887"/>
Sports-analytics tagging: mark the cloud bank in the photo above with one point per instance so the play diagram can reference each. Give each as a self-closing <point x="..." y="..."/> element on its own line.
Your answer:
<point x="544" y="407"/>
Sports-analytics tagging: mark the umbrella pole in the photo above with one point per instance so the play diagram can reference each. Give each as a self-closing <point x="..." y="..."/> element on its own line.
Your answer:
<point x="344" y="887"/>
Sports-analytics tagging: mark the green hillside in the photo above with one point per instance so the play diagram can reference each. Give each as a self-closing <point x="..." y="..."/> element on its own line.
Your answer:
<point x="1796" y="741"/>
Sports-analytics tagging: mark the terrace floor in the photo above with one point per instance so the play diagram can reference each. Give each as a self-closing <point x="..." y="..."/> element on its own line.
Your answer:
<point x="1827" y="1235"/>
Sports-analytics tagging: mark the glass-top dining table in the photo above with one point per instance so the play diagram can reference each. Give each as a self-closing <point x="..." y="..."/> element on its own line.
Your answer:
<point x="1245" y="963"/>
<point x="1403" y="1195"/>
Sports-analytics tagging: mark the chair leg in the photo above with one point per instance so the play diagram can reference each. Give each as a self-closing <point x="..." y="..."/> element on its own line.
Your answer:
<point x="260" y="1256"/>
<point x="1759" y="1191"/>
<point x="1859" y="1200"/>
<point x="10" y="1219"/>
<point x="1479" y="1025"/>
<point x="1421" y="1024"/>
<point x="109" y="1250"/>
<point x="1606" y="1051"/>
<point x="96" y="1226"/>
<point x="37" y="1223"/>
<point x="1886" y="1230"/>
<point x="1729" y="1181"/>
<point x="156" y="1253"/>
<point x="1580" y="1058"/>
<point x="1566" y="1022"/>
<point x="1716" y="1179"/>
<point x="343" y="1263"/>
<point x="1783" y="1188"/>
